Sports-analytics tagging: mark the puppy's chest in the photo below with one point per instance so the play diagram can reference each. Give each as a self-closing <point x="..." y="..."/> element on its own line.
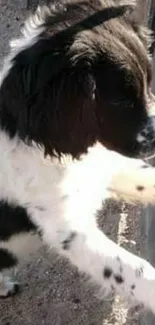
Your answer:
<point x="26" y="177"/>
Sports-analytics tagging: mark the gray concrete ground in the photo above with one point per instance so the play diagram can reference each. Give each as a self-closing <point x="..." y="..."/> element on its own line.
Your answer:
<point x="53" y="292"/>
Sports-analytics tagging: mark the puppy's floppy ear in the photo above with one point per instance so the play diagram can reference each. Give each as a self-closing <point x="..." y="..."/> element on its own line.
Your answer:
<point x="38" y="65"/>
<point x="31" y="70"/>
<point x="48" y="98"/>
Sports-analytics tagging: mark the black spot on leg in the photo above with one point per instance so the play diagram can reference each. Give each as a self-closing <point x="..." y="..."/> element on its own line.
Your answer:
<point x="66" y="243"/>
<point x="133" y="286"/>
<point x="118" y="278"/>
<point x="140" y="188"/>
<point x="107" y="273"/>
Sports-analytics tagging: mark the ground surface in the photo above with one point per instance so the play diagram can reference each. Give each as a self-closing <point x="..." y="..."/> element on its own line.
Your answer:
<point x="53" y="292"/>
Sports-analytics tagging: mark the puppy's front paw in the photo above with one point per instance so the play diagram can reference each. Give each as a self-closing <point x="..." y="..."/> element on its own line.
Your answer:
<point x="8" y="287"/>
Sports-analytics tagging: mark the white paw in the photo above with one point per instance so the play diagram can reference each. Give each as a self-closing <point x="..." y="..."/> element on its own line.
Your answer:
<point x="8" y="287"/>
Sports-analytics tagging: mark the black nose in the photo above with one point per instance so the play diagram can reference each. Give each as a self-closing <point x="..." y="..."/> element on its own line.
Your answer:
<point x="149" y="130"/>
<point x="146" y="137"/>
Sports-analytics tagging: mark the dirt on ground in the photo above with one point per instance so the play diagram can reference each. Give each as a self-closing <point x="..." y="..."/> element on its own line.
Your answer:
<point x="52" y="291"/>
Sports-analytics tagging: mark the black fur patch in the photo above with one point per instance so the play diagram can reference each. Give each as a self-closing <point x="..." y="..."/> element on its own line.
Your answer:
<point x="107" y="273"/>
<point x="13" y="220"/>
<point x="66" y="243"/>
<point x="7" y="259"/>
<point x="119" y="279"/>
<point x="140" y="188"/>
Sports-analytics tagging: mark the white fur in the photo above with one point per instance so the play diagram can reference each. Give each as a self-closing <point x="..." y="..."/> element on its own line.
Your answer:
<point x="7" y="286"/>
<point x="63" y="197"/>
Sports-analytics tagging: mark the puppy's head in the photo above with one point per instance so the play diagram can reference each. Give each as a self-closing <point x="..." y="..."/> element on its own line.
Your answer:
<point x="73" y="79"/>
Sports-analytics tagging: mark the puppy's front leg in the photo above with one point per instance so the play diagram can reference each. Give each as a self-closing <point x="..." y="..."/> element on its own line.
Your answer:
<point x="111" y="267"/>
<point x="8" y="287"/>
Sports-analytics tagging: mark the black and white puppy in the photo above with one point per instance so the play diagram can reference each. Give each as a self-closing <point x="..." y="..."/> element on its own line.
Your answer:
<point x="75" y="100"/>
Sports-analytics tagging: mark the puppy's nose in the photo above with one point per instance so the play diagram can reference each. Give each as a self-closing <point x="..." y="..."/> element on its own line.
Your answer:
<point x="146" y="138"/>
<point x="151" y="126"/>
<point x="149" y="130"/>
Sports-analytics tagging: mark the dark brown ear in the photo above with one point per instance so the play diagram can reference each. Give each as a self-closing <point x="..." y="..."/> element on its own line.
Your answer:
<point x="39" y="64"/>
<point x="52" y="100"/>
